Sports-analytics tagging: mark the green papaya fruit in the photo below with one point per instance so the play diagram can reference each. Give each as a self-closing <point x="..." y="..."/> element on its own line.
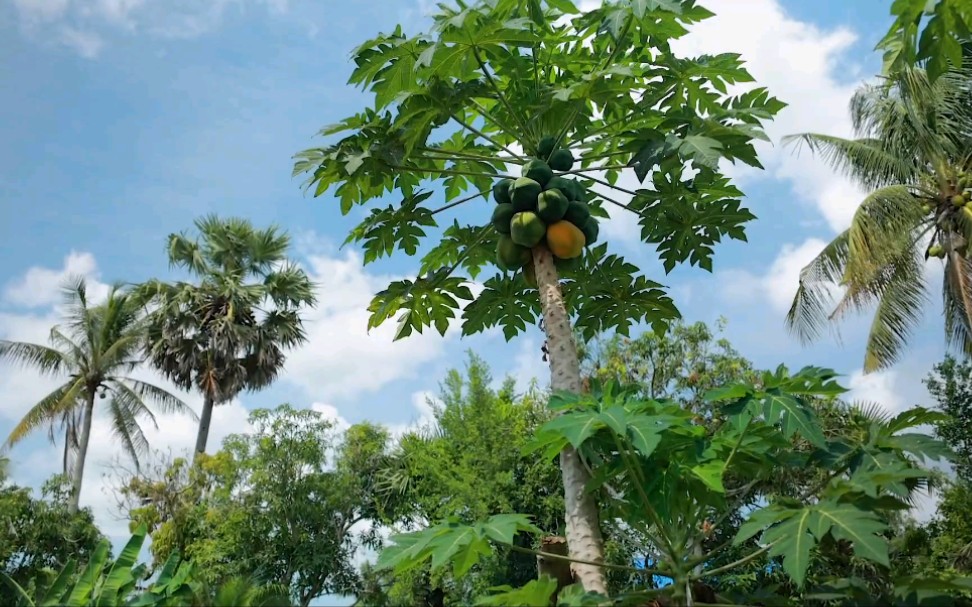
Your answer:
<point x="501" y="191"/>
<point x="561" y="160"/>
<point x="591" y="229"/>
<point x="523" y="194"/>
<point x="502" y="215"/>
<point x="566" y="186"/>
<point x="577" y="213"/>
<point x="538" y="171"/>
<point x="527" y="229"/>
<point x="551" y="205"/>
<point x="546" y="146"/>
<point x="511" y="256"/>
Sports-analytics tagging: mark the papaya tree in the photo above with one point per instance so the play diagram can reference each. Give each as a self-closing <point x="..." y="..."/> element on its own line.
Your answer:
<point x="544" y="108"/>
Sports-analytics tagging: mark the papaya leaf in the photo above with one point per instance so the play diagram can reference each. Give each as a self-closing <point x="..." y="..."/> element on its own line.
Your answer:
<point x="505" y="302"/>
<point x="503" y="527"/>
<point x="576" y="427"/>
<point x="711" y="473"/>
<point x="645" y="432"/>
<point x="792" y="539"/>
<point x="730" y="392"/>
<point x="574" y="595"/>
<point x="863" y="529"/>
<point x="536" y="593"/>
<point x="759" y="520"/>
<point x="795" y="416"/>
<point x="615" y="418"/>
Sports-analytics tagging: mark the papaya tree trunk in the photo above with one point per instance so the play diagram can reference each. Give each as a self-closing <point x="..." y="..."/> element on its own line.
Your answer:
<point x="584" y="541"/>
<point x="204" y="420"/>
<point x="78" y="474"/>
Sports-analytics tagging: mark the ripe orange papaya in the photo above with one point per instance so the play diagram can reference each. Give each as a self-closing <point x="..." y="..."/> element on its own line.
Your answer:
<point x="565" y="240"/>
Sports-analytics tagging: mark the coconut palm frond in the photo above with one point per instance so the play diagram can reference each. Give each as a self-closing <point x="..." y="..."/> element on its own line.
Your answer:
<point x="51" y="407"/>
<point x="166" y="401"/>
<point x="899" y="311"/>
<point x="862" y="160"/>
<point x="957" y="300"/>
<point x="815" y="295"/>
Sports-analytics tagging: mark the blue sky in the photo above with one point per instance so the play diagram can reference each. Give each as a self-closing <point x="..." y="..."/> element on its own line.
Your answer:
<point x="124" y="120"/>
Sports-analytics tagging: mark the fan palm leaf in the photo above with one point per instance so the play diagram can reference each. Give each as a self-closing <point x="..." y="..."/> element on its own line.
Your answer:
<point x="228" y="331"/>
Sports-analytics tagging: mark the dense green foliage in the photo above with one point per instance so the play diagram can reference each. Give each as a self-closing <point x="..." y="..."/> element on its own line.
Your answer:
<point x="950" y="384"/>
<point x="292" y="486"/>
<point x="41" y="534"/>
<point x="470" y="466"/>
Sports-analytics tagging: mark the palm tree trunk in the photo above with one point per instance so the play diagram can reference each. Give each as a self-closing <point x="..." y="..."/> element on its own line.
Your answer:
<point x="203" y="435"/>
<point x="584" y="539"/>
<point x="82" y="452"/>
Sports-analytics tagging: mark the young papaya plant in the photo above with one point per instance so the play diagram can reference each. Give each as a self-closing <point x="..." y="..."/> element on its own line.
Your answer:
<point x="542" y="107"/>
<point x="677" y="482"/>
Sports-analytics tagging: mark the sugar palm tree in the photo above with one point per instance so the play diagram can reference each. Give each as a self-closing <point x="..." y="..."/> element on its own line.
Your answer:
<point x="96" y="349"/>
<point x="913" y="151"/>
<point x="227" y="332"/>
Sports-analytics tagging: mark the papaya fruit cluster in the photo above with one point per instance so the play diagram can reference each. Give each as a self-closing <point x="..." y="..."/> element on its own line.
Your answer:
<point x="541" y="207"/>
<point x="960" y="201"/>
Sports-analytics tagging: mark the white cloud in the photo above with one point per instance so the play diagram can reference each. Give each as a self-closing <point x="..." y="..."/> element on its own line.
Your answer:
<point x="805" y="66"/>
<point x="424" y="405"/>
<point x="779" y="283"/>
<point x="879" y="387"/>
<point x="85" y="26"/>
<point x="331" y="413"/>
<point x="86" y="43"/>
<point x="42" y="286"/>
<point x="342" y="358"/>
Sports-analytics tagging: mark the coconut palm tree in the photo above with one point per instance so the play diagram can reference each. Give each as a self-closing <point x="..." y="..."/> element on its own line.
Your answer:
<point x="227" y="332"/>
<point x="913" y="151"/>
<point x="96" y="350"/>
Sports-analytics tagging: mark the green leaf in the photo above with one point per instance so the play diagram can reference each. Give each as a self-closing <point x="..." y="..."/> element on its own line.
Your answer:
<point x="686" y="219"/>
<point x="759" y="520"/>
<point x="792" y="539"/>
<point x="796" y="417"/>
<point x="862" y="529"/>
<point x="564" y="6"/>
<point x="615" y="418"/>
<point x="423" y="302"/>
<point x="447" y="545"/>
<point x="575" y="427"/>
<point x="505" y="301"/>
<point x="536" y="593"/>
<point x="503" y="527"/>
<point x="732" y="392"/>
<point x="645" y="432"/>
<point x="705" y="151"/>
<point x="391" y="229"/>
<point x="711" y="474"/>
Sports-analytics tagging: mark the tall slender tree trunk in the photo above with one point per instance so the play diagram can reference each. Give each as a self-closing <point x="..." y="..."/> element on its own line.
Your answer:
<point x="78" y="475"/>
<point x="204" y="420"/>
<point x="584" y="539"/>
